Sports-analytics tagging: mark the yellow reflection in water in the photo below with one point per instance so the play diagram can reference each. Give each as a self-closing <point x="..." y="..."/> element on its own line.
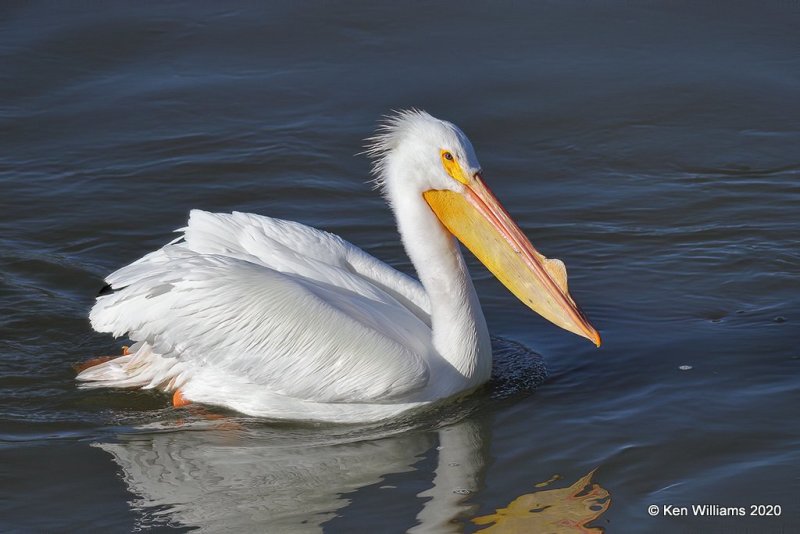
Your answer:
<point x="559" y="510"/>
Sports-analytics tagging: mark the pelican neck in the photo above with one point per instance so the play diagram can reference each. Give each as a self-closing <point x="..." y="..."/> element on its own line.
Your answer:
<point x="459" y="330"/>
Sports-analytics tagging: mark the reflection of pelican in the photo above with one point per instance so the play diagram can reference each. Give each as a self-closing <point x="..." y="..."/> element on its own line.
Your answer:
<point x="270" y="479"/>
<point x="559" y="510"/>
<point x="276" y="319"/>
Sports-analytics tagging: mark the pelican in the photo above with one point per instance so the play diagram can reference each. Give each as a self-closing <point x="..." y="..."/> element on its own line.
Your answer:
<point x="275" y="319"/>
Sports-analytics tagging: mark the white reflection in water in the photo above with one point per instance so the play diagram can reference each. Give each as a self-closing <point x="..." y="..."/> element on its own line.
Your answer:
<point x="223" y="480"/>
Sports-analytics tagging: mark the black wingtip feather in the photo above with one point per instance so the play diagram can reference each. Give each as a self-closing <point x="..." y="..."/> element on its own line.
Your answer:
<point x="106" y="290"/>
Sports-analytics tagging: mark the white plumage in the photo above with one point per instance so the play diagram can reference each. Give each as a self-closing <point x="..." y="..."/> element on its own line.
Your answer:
<point x="276" y="319"/>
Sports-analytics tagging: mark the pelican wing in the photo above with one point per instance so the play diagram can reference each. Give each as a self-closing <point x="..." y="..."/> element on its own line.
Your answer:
<point x="291" y="247"/>
<point x="278" y="304"/>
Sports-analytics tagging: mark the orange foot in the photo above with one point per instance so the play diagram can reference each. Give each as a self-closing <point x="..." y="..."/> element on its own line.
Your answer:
<point x="178" y="400"/>
<point x="199" y="412"/>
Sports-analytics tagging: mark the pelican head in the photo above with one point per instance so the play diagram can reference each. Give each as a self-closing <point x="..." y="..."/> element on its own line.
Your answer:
<point x="420" y="156"/>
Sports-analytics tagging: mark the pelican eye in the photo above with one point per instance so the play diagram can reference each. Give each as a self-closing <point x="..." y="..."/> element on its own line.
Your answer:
<point x="452" y="167"/>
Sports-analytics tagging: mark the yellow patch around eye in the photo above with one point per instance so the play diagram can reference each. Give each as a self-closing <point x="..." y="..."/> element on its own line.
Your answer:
<point x="453" y="168"/>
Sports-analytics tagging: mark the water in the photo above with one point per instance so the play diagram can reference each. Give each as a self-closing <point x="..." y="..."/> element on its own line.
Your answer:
<point x="653" y="147"/>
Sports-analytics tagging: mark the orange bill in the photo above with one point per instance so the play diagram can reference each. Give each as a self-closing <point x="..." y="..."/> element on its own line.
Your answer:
<point x="481" y="223"/>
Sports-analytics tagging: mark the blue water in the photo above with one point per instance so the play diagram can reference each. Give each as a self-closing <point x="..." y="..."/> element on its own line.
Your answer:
<point x="652" y="147"/>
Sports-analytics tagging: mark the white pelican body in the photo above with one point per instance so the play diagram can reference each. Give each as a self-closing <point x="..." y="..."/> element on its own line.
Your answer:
<point x="276" y="319"/>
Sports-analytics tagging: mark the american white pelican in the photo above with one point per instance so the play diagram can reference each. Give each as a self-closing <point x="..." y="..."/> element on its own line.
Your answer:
<point x="272" y="318"/>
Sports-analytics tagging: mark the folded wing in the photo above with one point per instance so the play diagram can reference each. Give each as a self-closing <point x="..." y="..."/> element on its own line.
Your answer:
<point x="278" y="304"/>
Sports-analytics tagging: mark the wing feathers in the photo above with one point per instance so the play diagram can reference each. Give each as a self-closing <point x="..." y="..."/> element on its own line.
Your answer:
<point x="304" y="322"/>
